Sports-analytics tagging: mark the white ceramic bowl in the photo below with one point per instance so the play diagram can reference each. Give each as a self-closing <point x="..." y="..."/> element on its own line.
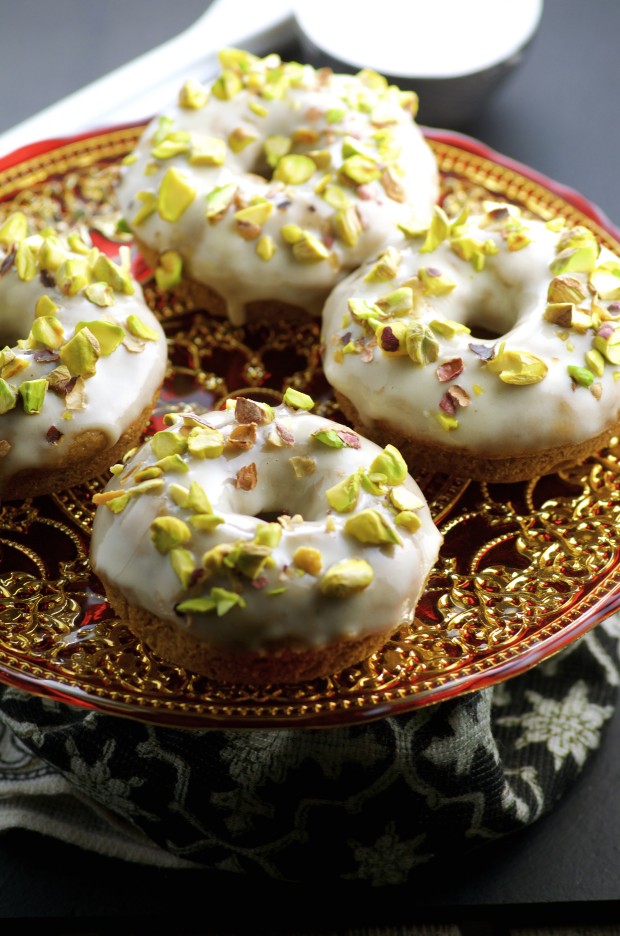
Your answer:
<point x="454" y="53"/>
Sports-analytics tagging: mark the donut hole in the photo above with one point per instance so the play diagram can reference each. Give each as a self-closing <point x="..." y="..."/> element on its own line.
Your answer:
<point x="492" y="315"/>
<point x="279" y="492"/>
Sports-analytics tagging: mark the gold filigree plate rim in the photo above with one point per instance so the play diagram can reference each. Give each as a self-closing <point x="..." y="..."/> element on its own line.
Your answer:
<point x="390" y="683"/>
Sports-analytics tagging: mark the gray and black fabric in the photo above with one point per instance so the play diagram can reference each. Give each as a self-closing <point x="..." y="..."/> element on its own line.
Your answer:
<point x="378" y="802"/>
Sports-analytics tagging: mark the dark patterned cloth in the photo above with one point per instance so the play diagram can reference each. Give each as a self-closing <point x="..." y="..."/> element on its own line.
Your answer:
<point x="376" y="802"/>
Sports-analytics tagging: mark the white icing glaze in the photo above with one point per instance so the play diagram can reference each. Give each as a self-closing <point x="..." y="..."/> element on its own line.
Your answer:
<point x="122" y="386"/>
<point x="123" y="552"/>
<point x="215" y="253"/>
<point x="507" y="299"/>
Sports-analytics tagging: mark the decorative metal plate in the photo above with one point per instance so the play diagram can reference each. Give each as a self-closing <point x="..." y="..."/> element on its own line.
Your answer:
<point x="525" y="569"/>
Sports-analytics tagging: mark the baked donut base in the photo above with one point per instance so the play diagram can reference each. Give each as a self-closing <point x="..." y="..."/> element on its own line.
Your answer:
<point x="88" y="456"/>
<point x="423" y="456"/>
<point x="202" y="296"/>
<point x="277" y="665"/>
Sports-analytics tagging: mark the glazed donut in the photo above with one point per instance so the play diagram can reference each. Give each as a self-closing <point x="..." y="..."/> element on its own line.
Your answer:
<point x="82" y="363"/>
<point x="263" y="544"/>
<point x="486" y="347"/>
<point x="264" y="188"/>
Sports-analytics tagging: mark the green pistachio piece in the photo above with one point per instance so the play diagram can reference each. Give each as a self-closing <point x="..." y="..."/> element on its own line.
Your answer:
<point x="309" y="249"/>
<point x="73" y="275"/>
<point x="335" y="115"/>
<point x="258" y="109"/>
<point x="100" y="294"/>
<point x="193" y="95"/>
<point x="8" y="396"/>
<point x="566" y="289"/>
<point x="265" y="247"/>
<point x="113" y="274"/>
<point x="434" y="282"/>
<point x="581" y="375"/>
<point x="51" y="255"/>
<point x="108" y="334"/>
<point x="575" y="260"/>
<point x="302" y="465"/>
<point x="239" y="138"/>
<point x="168" y="272"/>
<point x="447" y="328"/>
<point x="81" y="353"/>
<point x="578" y="236"/>
<point x="343" y="496"/>
<point x="218" y="200"/>
<point x="227" y="85"/>
<point x="518" y="367"/>
<point x="173" y="463"/>
<point x="219" y="600"/>
<point x="608" y="347"/>
<point x="146" y="474"/>
<point x="205" y="522"/>
<point x="297" y="400"/>
<point x="360" y="169"/>
<point x="275" y="147"/>
<point x="294" y="169"/>
<point x="169" y="532"/>
<point x="268" y="534"/>
<point x="346" y="578"/>
<point x="422" y="346"/>
<point x="175" y="195"/>
<point x="237" y="60"/>
<point x="386" y="266"/>
<point x="26" y="262"/>
<point x="48" y="331"/>
<point x="178" y="493"/>
<point x="308" y="560"/>
<point x="167" y="442"/>
<point x="559" y="313"/>
<point x="605" y="280"/>
<point x="33" y="393"/>
<point x="204" y="442"/>
<point x="403" y="499"/>
<point x="595" y="362"/>
<point x="447" y="423"/>
<point x="328" y="437"/>
<point x="335" y="196"/>
<point x="173" y="145"/>
<point x="197" y="499"/>
<point x="139" y="329"/>
<point x="370" y="527"/>
<point x="45" y="306"/>
<point x="409" y="520"/>
<point x="251" y="558"/>
<point x="347" y="225"/>
<point x="398" y="302"/>
<point x="208" y="151"/>
<point x="183" y="565"/>
<point x="390" y="463"/>
<point x="14" y="229"/>
<point x="437" y="232"/>
<point x="256" y="213"/>
<point x="13" y="366"/>
<point x="149" y="206"/>
<point x="392" y="338"/>
<point x="472" y="250"/>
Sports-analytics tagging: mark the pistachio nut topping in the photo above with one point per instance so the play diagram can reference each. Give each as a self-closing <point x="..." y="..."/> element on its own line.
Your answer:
<point x="289" y="150"/>
<point x="355" y="524"/>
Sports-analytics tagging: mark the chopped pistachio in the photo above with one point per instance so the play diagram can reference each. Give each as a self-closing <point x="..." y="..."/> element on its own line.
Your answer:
<point x="167" y="442"/>
<point x="575" y="260"/>
<point x="8" y="396"/>
<point x="392" y="338"/>
<point x="518" y="367"/>
<point x="227" y="85"/>
<point x="386" y="266"/>
<point x="265" y="247"/>
<point x="81" y="353"/>
<point x="51" y="255"/>
<point x="149" y="206"/>
<point x="175" y="195"/>
<point x="48" y="331"/>
<point x="595" y="362"/>
<point x="404" y="499"/>
<point x="371" y="528"/>
<point x="409" y="520"/>
<point x="343" y="496"/>
<point x="297" y="400"/>
<point x="140" y="329"/>
<point x="218" y="200"/>
<point x="219" y="600"/>
<point x="193" y="95"/>
<point x="565" y="289"/>
<point x="268" y="534"/>
<point x="183" y="565"/>
<point x="397" y="302"/>
<point x="309" y="249"/>
<point x="608" y="345"/>
<point x="346" y="578"/>
<point x="100" y="294"/>
<point x="241" y="137"/>
<point x="302" y="465"/>
<point x="14" y="229"/>
<point x="25" y="262"/>
<point x="168" y="272"/>
<point x="256" y="213"/>
<point x="605" y="280"/>
<point x="294" y="169"/>
<point x="173" y="463"/>
<point x="109" y="335"/>
<point x="438" y="231"/>
<point x="205" y="522"/>
<point x="360" y="170"/>
<point x="204" y="442"/>
<point x="208" y="151"/>
<point x="45" y="306"/>
<point x="391" y="464"/>
<point x="114" y="275"/>
<point x="308" y="559"/>
<point x="422" y="346"/>
<point x="173" y="145"/>
<point x="275" y="147"/>
<point x="448" y="328"/>
<point x="434" y="282"/>
<point x="581" y="375"/>
<point x="347" y="225"/>
<point x="33" y="393"/>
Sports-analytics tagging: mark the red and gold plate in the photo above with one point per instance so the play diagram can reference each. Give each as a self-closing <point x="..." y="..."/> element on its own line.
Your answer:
<point x="525" y="569"/>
